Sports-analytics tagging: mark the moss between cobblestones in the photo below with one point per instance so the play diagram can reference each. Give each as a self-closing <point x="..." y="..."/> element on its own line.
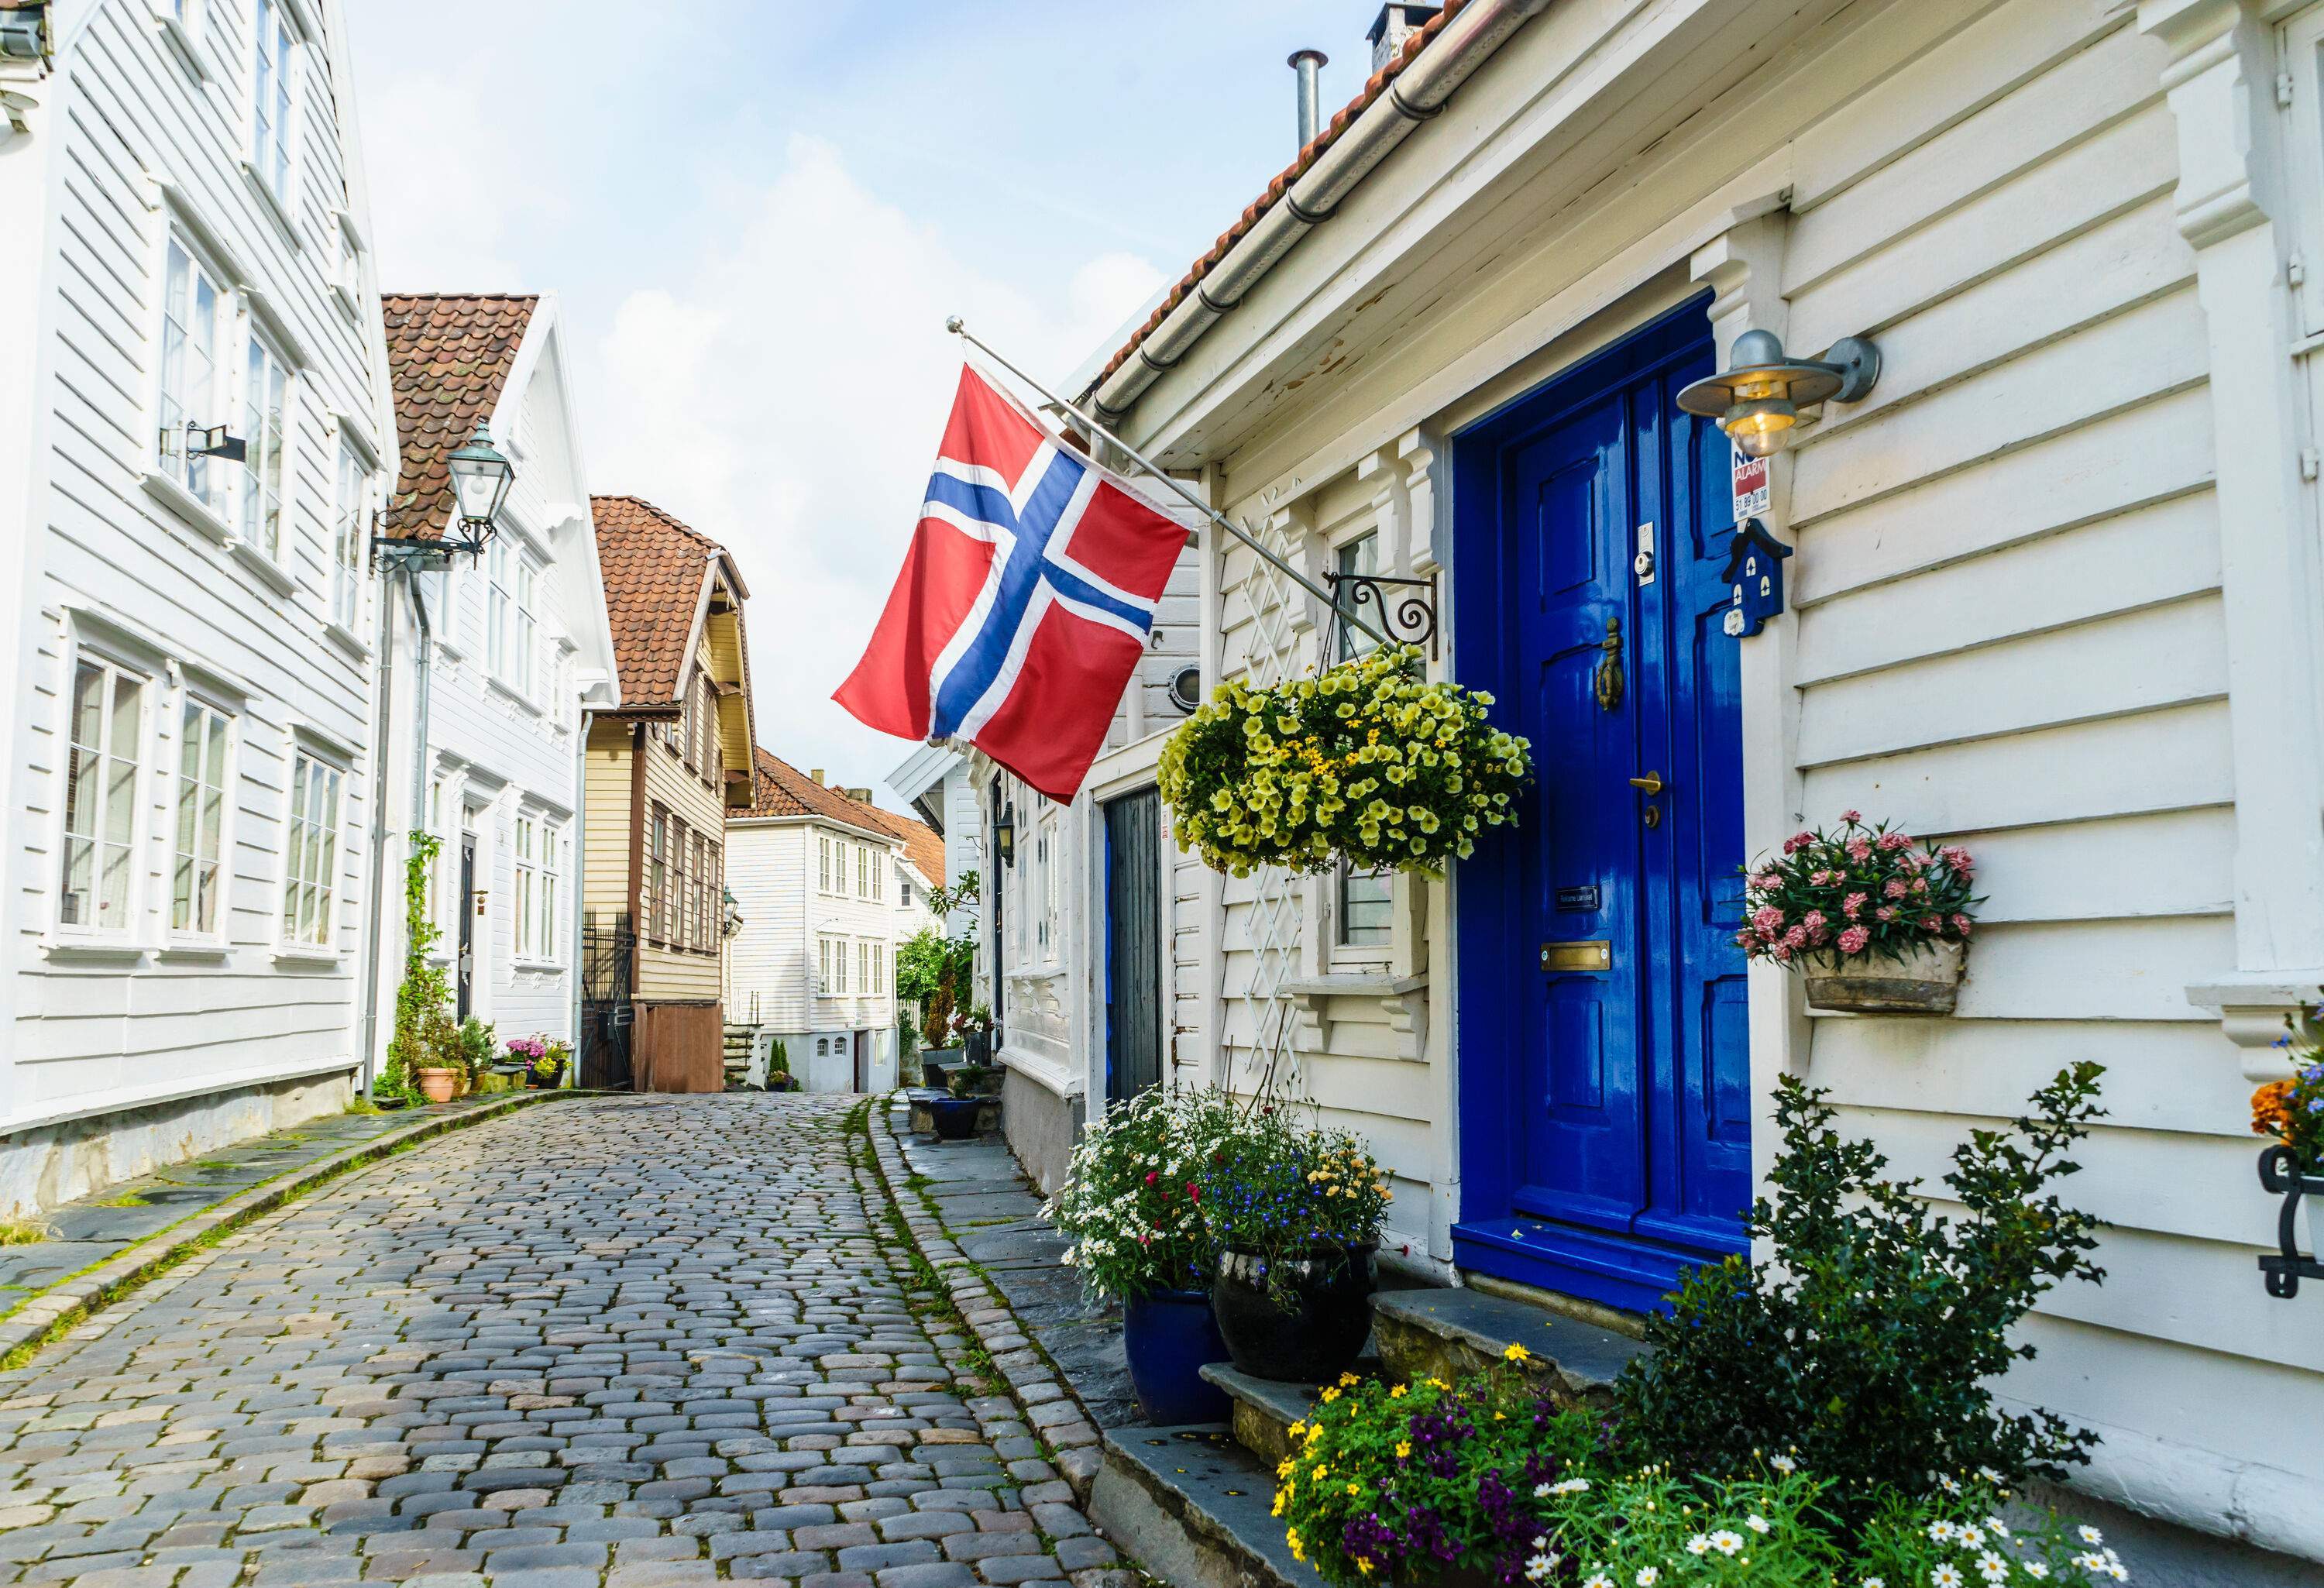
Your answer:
<point x="148" y="1260"/>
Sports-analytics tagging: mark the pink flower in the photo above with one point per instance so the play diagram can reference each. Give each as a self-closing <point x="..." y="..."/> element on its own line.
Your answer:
<point x="1851" y="817"/>
<point x="1797" y="938"/>
<point x="1896" y="840"/>
<point x="1812" y="920"/>
<point x="1912" y="860"/>
<point x="1955" y="856"/>
<point x="1895" y="888"/>
<point x="1920" y="884"/>
<point x="1853" y="906"/>
<point x="1797" y="842"/>
<point x="1781" y="953"/>
<point x="1766" y="881"/>
<point x="1852" y="941"/>
<point x="1767" y="918"/>
<point x="1930" y="923"/>
<point x="1886" y="913"/>
<point x="1961" y="925"/>
<point x="1859" y="849"/>
<point x="1747" y="940"/>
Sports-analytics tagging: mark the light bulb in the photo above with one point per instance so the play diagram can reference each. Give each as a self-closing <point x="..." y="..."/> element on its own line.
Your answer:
<point x="1760" y="429"/>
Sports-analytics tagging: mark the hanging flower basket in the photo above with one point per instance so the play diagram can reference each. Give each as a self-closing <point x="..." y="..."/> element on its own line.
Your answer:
<point x="1878" y="922"/>
<point x="1368" y="763"/>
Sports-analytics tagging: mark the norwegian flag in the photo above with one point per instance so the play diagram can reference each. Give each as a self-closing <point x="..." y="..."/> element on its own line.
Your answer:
<point x="1024" y="604"/>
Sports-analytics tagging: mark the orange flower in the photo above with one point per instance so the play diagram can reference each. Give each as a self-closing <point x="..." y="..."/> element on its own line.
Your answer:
<point x="2271" y="1111"/>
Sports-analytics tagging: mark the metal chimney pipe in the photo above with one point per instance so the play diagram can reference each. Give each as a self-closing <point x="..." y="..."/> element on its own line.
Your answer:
<point x="1308" y="64"/>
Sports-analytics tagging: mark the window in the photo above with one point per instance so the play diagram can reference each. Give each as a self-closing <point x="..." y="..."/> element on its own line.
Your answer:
<point x="349" y="539"/>
<point x="839" y="969"/>
<point x="904" y="891"/>
<point x="706" y="920"/>
<point x="863" y="967"/>
<point x="824" y="847"/>
<point x="436" y="868"/>
<point x="658" y="878"/>
<point x="1363" y="906"/>
<point x="549" y="936"/>
<point x="862" y="871"/>
<point x="346" y="259"/>
<point x="681" y="932"/>
<point x="311" y="863"/>
<point x="270" y="123"/>
<point x="1358" y="556"/>
<point x="1044" y="878"/>
<point x="266" y="415"/>
<point x="527" y="876"/>
<point x="879" y="877"/>
<point x="194" y="878"/>
<point x="823" y="967"/>
<point x="510" y="628"/>
<point x="190" y="300"/>
<point x="108" y="713"/>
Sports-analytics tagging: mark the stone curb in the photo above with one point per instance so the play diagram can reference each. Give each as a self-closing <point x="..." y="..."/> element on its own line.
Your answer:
<point x="1034" y="1381"/>
<point x="48" y="1316"/>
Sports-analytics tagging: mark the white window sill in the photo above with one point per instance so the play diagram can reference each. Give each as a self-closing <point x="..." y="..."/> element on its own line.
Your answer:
<point x="192" y="948"/>
<point x="515" y="696"/>
<point x="67" y="948"/>
<point x="271" y="573"/>
<point x="348" y="640"/>
<point x="345" y="299"/>
<point x="181" y="44"/>
<point x="197" y="512"/>
<point x="310" y="956"/>
<point x="269" y="201"/>
<point x="546" y="968"/>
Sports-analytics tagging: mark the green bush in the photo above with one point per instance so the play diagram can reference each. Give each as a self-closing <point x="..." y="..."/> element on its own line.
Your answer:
<point x="477" y="1044"/>
<point x="1871" y="1346"/>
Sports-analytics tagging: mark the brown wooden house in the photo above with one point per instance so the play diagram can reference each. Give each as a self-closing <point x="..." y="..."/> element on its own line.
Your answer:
<point x="663" y="772"/>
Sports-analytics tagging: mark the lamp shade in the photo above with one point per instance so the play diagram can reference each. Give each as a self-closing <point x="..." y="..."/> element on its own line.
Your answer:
<point x="480" y="477"/>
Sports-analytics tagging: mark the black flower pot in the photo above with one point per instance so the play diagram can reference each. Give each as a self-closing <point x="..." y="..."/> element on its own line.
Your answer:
<point x="980" y="1049"/>
<point x="1317" y="1330"/>
<point x="955" y="1117"/>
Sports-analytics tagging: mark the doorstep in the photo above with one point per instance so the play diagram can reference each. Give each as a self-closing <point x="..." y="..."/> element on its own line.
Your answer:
<point x="1194" y="1509"/>
<point x="1444" y="1332"/>
<point x="1264" y="1408"/>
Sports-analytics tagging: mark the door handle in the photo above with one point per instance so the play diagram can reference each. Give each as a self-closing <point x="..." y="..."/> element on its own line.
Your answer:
<point x="1652" y="783"/>
<point x="1607" y="683"/>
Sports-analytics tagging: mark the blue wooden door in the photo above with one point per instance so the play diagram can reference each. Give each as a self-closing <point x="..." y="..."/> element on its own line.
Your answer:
<point x="1605" y="1080"/>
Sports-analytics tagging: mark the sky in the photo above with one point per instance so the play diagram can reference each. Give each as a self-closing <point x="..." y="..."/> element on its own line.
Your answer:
<point x="757" y="216"/>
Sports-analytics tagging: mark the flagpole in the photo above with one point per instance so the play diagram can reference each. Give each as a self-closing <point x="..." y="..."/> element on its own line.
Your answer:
<point x="958" y="328"/>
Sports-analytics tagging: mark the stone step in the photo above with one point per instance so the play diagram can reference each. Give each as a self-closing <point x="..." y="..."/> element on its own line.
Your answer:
<point x="1264" y="1408"/>
<point x="1444" y="1332"/>
<point x="1194" y="1509"/>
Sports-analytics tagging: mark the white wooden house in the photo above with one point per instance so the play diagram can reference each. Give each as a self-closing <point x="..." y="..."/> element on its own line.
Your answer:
<point x="192" y="386"/>
<point x="2055" y="595"/>
<point x="819" y="877"/>
<point x="502" y="657"/>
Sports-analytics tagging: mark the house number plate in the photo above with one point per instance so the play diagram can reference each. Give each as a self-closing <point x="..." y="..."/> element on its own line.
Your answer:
<point x="1582" y="897"/>
<point x="1597" y="954"/>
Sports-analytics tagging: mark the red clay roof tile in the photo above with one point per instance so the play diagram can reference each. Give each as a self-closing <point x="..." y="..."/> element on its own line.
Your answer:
<point x="448" y="355"/>
<point x="653" y="567"/>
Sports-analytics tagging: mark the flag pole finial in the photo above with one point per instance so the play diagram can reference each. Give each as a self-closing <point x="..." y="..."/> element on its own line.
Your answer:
<point x="955" y="325"/>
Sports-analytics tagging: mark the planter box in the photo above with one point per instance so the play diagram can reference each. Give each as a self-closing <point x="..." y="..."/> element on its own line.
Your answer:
<point x="1924" y="982"/>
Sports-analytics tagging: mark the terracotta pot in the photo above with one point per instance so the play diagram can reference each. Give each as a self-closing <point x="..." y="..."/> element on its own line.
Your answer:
<point x="435" y="1085"/>
<point x="1926" y="981"/>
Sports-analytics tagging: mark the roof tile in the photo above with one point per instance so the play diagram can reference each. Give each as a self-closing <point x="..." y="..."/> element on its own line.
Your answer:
<point x="780" y="789"/>
<point x="448" y="355"/>
<point x="653" y="568"/>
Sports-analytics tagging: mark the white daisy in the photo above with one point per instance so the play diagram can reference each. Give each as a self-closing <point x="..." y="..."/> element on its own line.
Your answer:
<point x="1570" y="1486"/>
<point x="1971" y="1538"/>
<point x="1726" y="1541"/>
<point x="1948" y="1483"/>
<point x="2036" y="1570"/>
<point x="1874" y="1582"/>
<point x="1990" y="1475"/>
<point x="1538" y="1568"/>
<point x="1783" y="1465"/>
<point x="1941" y="1531"/>
<point x="1945" y="1577"/>
<point x="2090" y="1535"/>
<point x="1699" y="1545"/>
<point x="1541" y="1491"/>
<point x="1598" y="1579"/>
<point x="1648" y="1576"/>
<point x="1756" y="1522"/>
<point x="1992" y="1567"/>
<point x="1997" y="1527"/>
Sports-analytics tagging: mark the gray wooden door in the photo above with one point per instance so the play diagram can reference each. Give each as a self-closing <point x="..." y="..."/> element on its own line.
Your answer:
<point x="1133" y="944"/>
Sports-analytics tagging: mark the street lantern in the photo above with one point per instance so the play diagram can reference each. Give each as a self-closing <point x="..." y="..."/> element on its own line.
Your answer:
<point x="1004" y="836"/>
<point x="1758" y="400"/>
<point x="481" y="478"/>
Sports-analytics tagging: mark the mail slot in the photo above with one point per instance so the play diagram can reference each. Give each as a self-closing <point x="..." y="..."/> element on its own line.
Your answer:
<point x="1596" y="955"/>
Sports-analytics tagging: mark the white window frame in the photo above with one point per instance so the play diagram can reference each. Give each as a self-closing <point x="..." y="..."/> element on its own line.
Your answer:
<point x="528" y="627"/>
<point x="500" y="600"/>
<point x="192" y="776"/>
<point x="261" y="361"/>
<point x="1358" y="554"/>
<point x="113" y="673"/>
<point x="314" y="815"/>
<point x="825" y="844"/>
<point x="839" y="968"/>
<point x="273" y="139"/>
<point x="2300" y="40"/>
<point x="1045" y="879"/>
<point x="880" y="863"/>
<point x="862" y="870"/>
<point x="350" y="537"/>
<point x="435" y="826"/>
<point x="823" y="967"/>
<point x="525" y="847"/>
<point x="205" y="479"/>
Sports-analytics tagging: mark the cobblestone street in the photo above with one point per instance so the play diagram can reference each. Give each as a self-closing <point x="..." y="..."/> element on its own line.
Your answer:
<point x="623" y="1341"/>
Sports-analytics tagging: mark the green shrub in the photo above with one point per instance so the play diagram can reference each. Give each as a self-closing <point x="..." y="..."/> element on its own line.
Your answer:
<point x="477" y="1044"/>
<point x="1870" y="1346"/>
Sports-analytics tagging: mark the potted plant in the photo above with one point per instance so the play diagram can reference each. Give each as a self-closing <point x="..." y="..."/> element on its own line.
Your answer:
<point x="548" y="1066"/>
<point x="972" y="1033"/>
<point x="1132" y="1205"/>
<point x="1878" y="922"/>
<point x="1295" y="1212"/>
<point x="439" y="1056"/>
<point x="1369" y="762"/>
<point x="2290" y="1112"/>
<point x="475" y="1052"/>
<point x="955" y="1114"/>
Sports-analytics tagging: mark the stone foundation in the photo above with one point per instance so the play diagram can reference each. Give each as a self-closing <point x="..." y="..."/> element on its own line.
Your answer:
<point x="52" y="1164"/>
<point x="1041" y="1128"/>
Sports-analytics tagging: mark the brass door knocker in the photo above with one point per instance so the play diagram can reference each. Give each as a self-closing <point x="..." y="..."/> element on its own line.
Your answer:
<point x="1608" y="681"/>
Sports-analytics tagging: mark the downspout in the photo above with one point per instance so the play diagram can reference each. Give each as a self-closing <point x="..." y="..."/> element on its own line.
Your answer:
<point x="421" y="671"/>
<point x="380" y="743"/>
<point x="575" y="905"/>
<point x="1418" y="93"/>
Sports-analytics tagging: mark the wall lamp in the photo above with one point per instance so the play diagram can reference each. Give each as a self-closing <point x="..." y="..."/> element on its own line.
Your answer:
<point x="1004" y="836"/>
<point x="1758" y="402"/>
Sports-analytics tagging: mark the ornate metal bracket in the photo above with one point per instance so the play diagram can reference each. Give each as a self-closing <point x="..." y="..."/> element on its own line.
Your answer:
<point x="2285" y="1269"/>
<point x="1411" y="622"/>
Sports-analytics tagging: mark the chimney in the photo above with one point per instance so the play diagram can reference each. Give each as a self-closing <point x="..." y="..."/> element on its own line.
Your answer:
<point x="1308" y="63"/>
<point x="817" y="774"/>
<point x="860" y="795"/>
<point x="1395" y="25"/>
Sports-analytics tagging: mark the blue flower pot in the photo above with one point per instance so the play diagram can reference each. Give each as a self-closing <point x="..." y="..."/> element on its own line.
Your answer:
<point x="955" y="1117"/>
<point x="1168" y="1335"/>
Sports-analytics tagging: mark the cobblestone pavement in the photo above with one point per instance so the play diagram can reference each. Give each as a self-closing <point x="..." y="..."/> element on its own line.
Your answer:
<point x="628" y="1342"/>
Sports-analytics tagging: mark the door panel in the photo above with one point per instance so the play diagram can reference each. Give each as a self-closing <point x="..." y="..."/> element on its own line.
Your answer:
<point x="1133" y="959"/>
<point x="1606" y="1113"/>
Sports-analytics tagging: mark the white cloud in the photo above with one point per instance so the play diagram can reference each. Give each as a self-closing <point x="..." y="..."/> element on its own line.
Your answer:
<point x="784" y="395"/>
